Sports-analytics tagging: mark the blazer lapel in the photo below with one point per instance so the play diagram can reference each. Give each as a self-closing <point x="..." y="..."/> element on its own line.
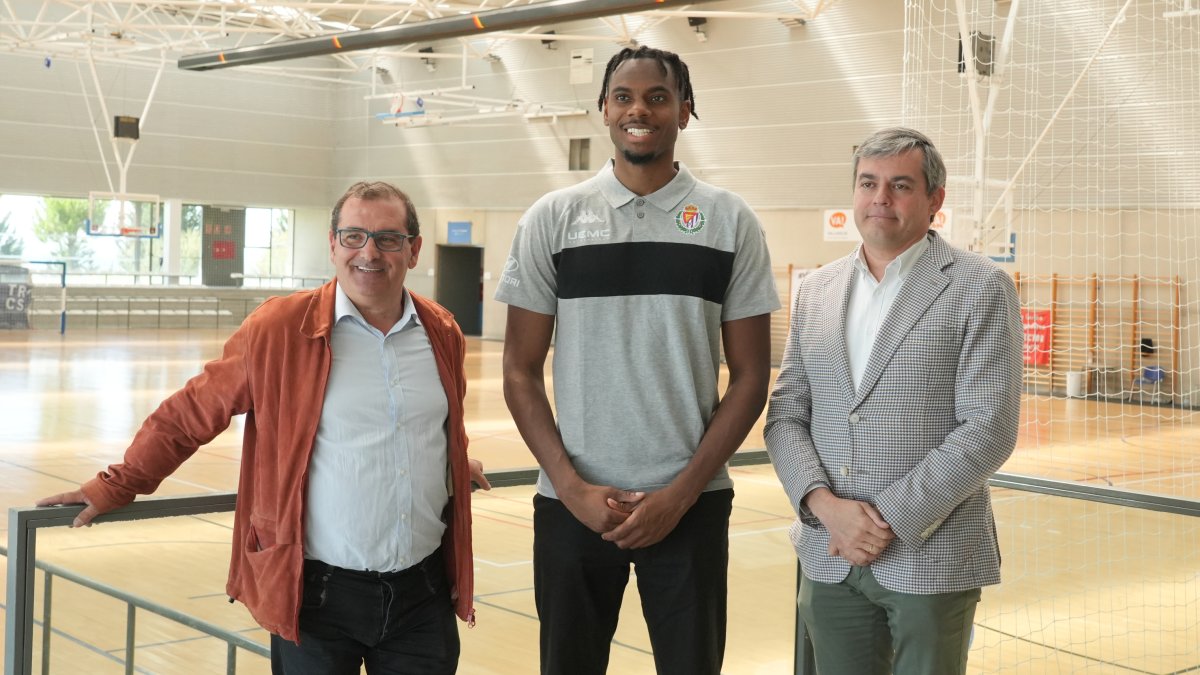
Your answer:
<point x="920" y="290"/>
<point x="837" y="299"/>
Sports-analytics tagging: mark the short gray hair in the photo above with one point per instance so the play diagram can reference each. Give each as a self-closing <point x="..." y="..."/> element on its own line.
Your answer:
<point x="899" y="140"/>
<point x="378" y="190"/>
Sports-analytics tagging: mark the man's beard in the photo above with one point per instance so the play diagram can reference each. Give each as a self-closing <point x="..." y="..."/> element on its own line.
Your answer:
<point x="639" y="159"/>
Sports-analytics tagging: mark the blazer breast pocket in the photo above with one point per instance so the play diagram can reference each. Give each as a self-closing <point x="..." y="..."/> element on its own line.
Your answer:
<point x="930" y="354"/>
<point x="935" y="339"/>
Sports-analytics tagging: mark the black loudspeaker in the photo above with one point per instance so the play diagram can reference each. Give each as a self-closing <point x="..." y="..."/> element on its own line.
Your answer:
<point x="125" y="126"/>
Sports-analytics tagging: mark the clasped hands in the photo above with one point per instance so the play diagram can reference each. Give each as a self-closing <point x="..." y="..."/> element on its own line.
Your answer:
<point x="628" y="519"/>
<point x="857" y="531"/>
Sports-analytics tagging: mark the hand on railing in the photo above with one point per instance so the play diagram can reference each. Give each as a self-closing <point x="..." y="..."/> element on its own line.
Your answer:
<point x="84" y="519"/>
<point x="477" y="475"/>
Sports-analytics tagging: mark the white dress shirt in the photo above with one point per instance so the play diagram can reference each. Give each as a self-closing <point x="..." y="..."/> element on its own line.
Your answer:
<point x="870" y="302"/>
<point x="377" y="482"/>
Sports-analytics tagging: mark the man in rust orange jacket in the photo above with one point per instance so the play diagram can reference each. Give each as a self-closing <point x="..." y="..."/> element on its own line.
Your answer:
<point x="352" y="534"/>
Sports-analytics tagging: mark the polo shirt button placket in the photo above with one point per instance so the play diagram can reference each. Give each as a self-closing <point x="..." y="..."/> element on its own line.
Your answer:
<point x="639" y="202"/>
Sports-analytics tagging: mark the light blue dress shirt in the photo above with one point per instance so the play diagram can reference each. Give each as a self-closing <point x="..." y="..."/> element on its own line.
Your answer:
<point x="377" y="482"/>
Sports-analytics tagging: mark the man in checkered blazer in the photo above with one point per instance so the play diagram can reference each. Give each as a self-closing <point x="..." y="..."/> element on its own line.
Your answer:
<point x="899" y="395"/>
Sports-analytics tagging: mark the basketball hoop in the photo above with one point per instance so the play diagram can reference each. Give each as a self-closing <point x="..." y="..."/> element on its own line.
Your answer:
<point x="123" y="214"/>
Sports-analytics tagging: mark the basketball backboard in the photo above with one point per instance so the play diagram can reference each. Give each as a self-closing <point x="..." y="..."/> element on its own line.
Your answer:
<point x="123" y="214"/>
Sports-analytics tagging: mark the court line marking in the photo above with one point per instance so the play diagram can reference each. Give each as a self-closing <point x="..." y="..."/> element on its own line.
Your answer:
<point x="533" y="618"/>
<point x="479" y="596"/>
<point x="768" y="530"/>
<point x="493" y="563"/>
<point x="1068" y="652"/>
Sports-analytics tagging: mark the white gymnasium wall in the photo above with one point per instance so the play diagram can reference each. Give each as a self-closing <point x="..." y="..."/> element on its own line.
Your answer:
<point x="780" y="111"/>
<point x="216" y="138"/>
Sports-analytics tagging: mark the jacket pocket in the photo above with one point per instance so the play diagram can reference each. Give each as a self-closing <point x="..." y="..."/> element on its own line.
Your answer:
<point x="261" y="535"/>
<point x="270" y="563"/>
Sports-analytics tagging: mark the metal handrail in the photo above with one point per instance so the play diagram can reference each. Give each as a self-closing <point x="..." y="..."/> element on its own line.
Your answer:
<point x="25" y="521"/>
<point x="805" y="664"/>
<point x="154" y="279"/>
<point x="230" y="638"/>
<point x="1096" y="493"/>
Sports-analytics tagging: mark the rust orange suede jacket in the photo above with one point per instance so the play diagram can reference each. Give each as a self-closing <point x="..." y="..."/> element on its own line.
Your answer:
<point x="274" y="369"/>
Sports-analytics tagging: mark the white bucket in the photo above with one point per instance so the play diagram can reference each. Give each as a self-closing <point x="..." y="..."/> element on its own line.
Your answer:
<point x="1075" y="384"/>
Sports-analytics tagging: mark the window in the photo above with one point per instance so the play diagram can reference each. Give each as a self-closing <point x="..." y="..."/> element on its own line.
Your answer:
<point x="268" y="243"/>
<point x="189" y="240"/>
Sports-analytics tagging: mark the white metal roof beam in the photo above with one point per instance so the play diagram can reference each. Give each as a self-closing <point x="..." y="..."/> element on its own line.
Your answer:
<point x="434" y="29"/>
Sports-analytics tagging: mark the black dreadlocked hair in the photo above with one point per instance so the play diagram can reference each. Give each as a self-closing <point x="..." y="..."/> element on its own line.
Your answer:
<point x="669" y="62"/>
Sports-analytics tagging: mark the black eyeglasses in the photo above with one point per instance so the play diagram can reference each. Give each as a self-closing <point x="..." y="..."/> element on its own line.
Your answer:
<point x="352" y="237"/>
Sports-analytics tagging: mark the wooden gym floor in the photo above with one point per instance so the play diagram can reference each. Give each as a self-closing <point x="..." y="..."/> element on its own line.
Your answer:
<point x="1088" y="587"/>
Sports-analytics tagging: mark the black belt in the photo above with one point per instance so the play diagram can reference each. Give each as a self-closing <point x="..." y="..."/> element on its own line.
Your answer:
<point x="321" y="567"/>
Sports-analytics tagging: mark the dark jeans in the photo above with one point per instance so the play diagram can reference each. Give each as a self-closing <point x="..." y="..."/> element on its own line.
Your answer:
<point x="579" y="580"/>
<point x="397" y="623"/>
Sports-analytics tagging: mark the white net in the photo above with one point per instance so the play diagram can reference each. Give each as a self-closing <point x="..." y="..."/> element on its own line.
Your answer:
<point x="1071" y="128"/>
<point x="32" y="294"/>
<point x="16" y="294"/>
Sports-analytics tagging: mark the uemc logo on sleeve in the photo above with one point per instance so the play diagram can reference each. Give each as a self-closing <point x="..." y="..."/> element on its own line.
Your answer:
<point x="508" y="276"/>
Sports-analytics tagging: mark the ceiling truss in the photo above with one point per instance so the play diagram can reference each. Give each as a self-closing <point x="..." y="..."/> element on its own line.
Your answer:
<point x="144" y="33"/>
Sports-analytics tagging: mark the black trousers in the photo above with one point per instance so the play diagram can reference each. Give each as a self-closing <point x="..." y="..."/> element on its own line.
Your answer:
<point x="397" y="623"/>
<point x="579" y="580"/>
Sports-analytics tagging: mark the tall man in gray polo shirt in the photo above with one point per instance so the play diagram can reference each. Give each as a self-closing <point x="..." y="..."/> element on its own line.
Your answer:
<point x="642" y="269"/>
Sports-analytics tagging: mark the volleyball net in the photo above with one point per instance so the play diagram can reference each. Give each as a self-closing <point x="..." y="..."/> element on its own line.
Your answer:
<point x="1072" y="140"/>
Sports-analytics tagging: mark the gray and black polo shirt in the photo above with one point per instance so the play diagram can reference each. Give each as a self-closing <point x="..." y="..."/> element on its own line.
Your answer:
<point x="639" y="287"/>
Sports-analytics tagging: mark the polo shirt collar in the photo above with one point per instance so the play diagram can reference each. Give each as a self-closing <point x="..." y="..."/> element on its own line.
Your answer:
<point x="665" y="198"/>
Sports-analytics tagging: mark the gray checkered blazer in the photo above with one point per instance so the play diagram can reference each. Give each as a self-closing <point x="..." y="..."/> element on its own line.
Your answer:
<point x="936" y="414"/>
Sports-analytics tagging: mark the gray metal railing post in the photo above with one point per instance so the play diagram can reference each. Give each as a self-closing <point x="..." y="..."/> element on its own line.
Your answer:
<point x="804" y="663"/>
<point x="18" y="626"/>
<point x="130" y="633"/>
<point x="47" y="596"/>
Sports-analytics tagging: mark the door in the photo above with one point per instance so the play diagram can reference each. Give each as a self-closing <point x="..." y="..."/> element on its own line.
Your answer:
<point x="460" y="285"/>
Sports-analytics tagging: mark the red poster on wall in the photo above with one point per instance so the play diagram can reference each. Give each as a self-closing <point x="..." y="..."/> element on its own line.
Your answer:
<point x="1038" y="331"/>
<point x="222" y="249"/>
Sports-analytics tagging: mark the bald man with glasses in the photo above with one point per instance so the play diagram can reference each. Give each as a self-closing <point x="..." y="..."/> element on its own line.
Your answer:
<point x="352" y="534"/>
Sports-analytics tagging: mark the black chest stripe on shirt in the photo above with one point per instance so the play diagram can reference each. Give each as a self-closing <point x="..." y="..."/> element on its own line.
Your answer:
<point x="643" y="268"/>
